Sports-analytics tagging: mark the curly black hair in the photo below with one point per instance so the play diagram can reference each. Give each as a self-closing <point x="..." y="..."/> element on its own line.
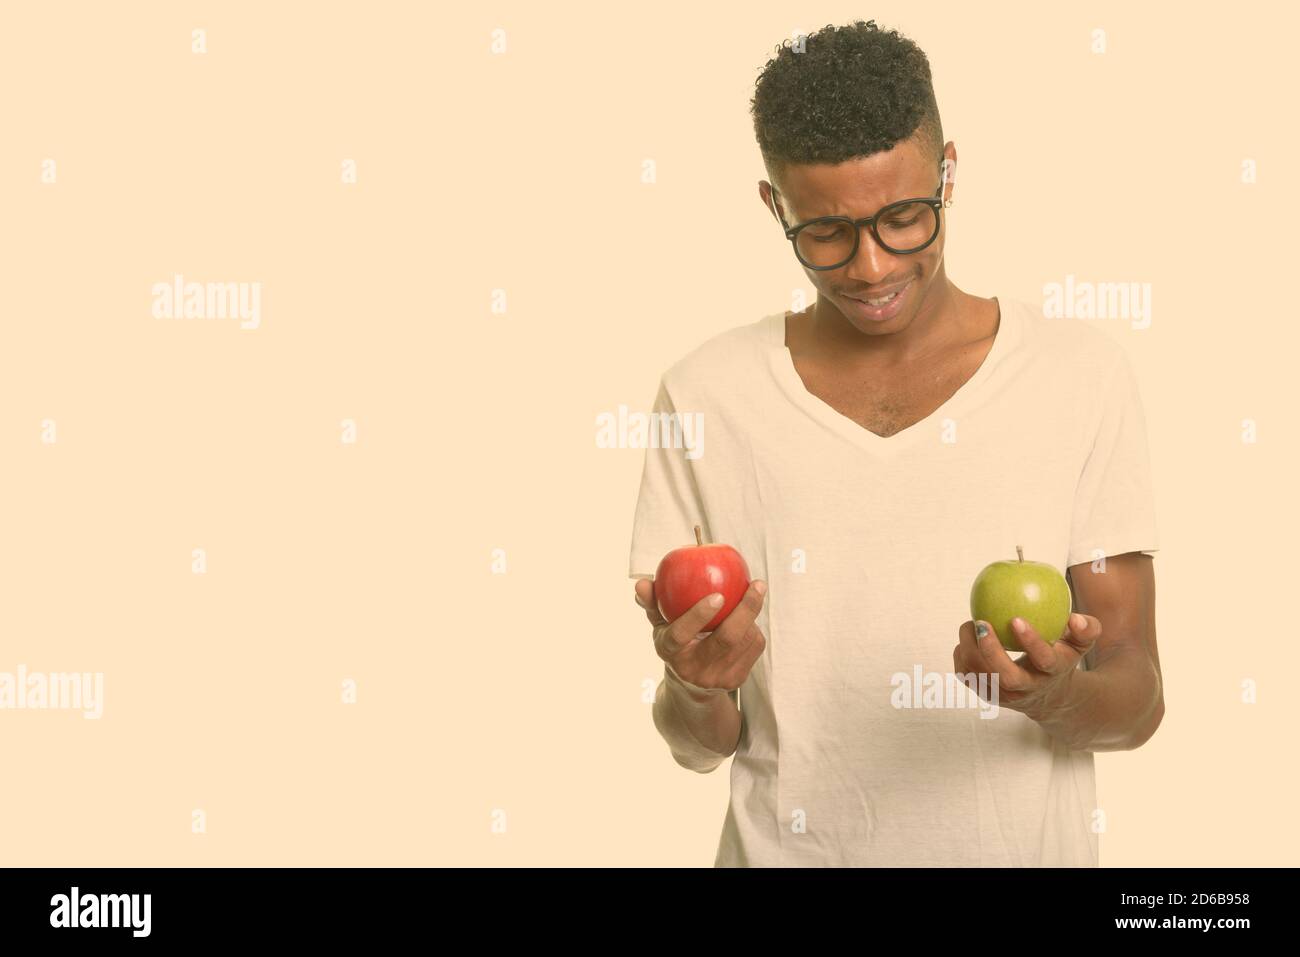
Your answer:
<point x="853" y="91"/>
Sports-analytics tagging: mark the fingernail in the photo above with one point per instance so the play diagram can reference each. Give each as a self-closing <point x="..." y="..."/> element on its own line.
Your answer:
<point x="761" y="588"/>
<point x="714" y="600"/>
<point x="981" y="629"/>
<point x="1078" y="623"/>
<point x="1018" y="624"/>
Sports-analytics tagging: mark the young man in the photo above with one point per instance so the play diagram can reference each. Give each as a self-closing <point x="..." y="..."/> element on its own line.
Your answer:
<point x="869" y="458"/>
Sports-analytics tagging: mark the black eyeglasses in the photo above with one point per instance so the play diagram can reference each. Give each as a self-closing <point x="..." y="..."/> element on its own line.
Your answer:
<point x="829" y="242"/>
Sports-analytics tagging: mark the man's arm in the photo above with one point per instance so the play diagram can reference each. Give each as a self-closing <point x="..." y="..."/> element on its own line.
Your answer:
<point x="1117" y="704"/>
<point x="701" y="722"/>
<point x="701" y="727"/>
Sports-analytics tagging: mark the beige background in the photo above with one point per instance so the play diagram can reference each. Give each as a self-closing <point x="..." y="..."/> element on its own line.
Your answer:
<point x="526" y="691"/>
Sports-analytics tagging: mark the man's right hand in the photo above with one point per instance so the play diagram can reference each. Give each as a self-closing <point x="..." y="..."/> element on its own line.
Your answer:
<point x="720" y="660"/>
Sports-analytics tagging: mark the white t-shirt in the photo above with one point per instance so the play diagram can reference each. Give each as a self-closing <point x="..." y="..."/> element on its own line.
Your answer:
<point x="869" y="546"/>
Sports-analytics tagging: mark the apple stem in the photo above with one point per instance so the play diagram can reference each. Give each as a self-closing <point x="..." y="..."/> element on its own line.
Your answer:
<point x="699" y="540"/>
<point x="1020" y="554"/>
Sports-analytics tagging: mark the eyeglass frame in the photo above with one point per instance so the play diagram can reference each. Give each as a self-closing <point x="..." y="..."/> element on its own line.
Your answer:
<point x="935" y="202"/>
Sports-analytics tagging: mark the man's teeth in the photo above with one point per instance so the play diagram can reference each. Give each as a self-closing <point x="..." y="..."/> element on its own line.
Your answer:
<point x="881" y="302"/>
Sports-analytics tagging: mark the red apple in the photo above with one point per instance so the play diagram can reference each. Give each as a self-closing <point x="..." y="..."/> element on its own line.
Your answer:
<point x="689" y="574"/>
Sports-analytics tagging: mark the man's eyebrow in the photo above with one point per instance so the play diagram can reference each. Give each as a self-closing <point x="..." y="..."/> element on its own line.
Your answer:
<point x="929" y="195"/>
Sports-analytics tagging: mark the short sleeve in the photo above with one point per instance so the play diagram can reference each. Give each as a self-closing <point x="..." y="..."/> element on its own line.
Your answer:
<point x="668" y="505"/>
<point x="1114" y="502"/>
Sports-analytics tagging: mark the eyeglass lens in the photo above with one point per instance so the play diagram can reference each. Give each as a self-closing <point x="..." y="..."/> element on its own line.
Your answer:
<point x="901" y="230"/>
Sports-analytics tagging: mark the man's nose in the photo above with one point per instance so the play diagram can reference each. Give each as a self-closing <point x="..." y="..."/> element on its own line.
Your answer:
<point x="872" y="263"/>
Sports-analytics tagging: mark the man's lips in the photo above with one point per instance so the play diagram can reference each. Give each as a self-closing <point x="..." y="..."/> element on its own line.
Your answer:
<point x="879" y="293"/>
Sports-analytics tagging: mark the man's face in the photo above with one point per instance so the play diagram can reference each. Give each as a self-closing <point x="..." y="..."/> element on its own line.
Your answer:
<point x="860" y="188"/>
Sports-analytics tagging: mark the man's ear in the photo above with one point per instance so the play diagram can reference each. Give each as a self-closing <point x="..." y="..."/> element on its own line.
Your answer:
<point x="767" y="194"/>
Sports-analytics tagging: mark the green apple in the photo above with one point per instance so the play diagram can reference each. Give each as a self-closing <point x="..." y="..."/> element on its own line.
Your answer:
<point x="1034" y="591"/>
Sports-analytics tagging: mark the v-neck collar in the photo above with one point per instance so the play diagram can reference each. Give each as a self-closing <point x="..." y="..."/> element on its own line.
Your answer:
<point x="787" y="376"/>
